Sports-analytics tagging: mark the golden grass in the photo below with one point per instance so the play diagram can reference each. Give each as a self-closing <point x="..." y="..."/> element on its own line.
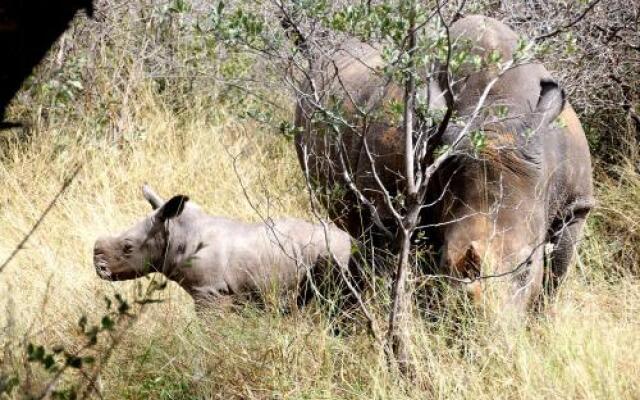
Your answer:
<point x="617" y="217"/>
<point x="587" y="347"/>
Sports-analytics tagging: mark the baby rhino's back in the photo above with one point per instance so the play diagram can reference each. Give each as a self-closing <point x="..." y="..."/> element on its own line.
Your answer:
<point x="314" y="242"/>
<point x="281" y="253"/>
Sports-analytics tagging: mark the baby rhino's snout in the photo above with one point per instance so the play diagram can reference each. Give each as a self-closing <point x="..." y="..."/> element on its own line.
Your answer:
<point x="100" y="261"/>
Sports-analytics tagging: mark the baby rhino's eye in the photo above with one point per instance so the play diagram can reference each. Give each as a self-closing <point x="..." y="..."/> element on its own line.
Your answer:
<point x="127" y="249"/>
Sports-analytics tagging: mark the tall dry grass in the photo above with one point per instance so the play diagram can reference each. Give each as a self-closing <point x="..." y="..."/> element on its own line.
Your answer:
<point x="124" y="130"/>
<point x="586" y="347"/>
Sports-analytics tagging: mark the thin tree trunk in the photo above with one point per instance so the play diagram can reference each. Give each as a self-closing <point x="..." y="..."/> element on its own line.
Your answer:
<point x="398" y="332"/>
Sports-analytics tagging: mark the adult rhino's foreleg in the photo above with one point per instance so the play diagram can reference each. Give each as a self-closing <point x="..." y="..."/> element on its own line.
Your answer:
<point x="565" y="236"/>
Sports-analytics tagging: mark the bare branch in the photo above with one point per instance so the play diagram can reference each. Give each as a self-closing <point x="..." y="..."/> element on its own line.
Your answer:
<point x="371" y="322"/>
<point x="65" y="185"/>
<point x="409" y="99"/>
<point x="563" y="28"/>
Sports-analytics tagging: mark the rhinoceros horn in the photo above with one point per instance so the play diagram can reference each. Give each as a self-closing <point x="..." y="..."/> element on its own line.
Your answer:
<point x="151" y="196"/>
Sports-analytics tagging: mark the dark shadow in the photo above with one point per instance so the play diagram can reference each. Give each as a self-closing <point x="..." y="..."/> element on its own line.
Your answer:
<point x="28" y="29"/>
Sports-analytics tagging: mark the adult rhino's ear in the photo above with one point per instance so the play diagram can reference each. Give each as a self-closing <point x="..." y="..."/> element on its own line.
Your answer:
<point x="151" y="196"/>
<point x="470" y="264"/>
<point x="551" y="101"/>
<point x="172" y="208"/>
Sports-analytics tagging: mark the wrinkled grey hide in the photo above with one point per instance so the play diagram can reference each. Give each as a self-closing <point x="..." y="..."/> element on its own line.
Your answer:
<point x="213" y="257"/>
<point x="491" y="211"/>
<point x="529" y="187"/>
<point x="349" y="74"/>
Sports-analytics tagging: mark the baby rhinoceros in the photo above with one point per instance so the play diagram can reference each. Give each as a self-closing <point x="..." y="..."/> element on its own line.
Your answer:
<point x="213" y="258"/>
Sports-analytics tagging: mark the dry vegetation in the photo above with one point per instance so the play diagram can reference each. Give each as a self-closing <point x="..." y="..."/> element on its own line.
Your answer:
<point x="586" y="346"/>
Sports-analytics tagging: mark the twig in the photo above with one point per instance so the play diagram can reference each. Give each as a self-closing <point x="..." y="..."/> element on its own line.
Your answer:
<point x="270" y="224"/>
<point x="569" y="25"/>
<point x="46" y="211"/>
<point x="371" y="322"/>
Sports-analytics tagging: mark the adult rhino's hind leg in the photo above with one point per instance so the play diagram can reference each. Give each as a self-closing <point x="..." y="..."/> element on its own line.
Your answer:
<point x="565" y="236"/>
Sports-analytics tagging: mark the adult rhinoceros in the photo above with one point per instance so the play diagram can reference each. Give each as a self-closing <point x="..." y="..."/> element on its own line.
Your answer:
<point x="494" y="207"/>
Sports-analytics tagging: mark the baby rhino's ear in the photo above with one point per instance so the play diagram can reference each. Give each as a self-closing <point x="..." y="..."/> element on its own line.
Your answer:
<point x="172" y="208"/>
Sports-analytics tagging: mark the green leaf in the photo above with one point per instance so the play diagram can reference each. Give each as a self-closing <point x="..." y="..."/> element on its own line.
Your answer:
<point x="65" y="394"/>
<point x="478" y="139"/>
<point x="149" y="301"/>
<point x="7" y="383"/>
<point x="501" y="111"/>
<point x="38" y="353"/>
<point x="179" y="6"/>
<point x="82" y="323"/>
<point x="494" y="58"/>
<point x="74" y="361"/>
<point x="440" y="150"/>
<point x="92" y="335"/>
<point x="123" y="306"/>
<point x="107" y="323"/>
<point x="48" y="362"/>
